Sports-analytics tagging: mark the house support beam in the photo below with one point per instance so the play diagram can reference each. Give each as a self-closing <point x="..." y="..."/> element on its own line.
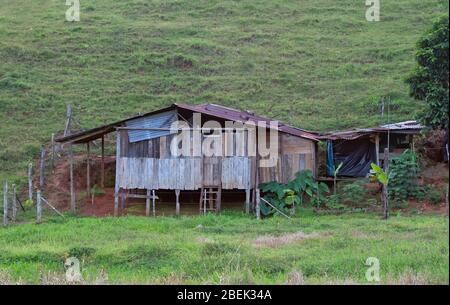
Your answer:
<point x="147" y="204"/>
<point x="177" y="205"/>
<point x="116" y="189"/>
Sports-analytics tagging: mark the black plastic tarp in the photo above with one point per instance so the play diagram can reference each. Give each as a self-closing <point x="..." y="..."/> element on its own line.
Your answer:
<point x="356" y="156"/>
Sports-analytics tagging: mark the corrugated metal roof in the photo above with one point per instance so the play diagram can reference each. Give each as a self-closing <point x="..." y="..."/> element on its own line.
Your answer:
<point x="209" y="109"/>
<point x="403" y="125"/>
<point x="159" y="120"/>
<point x="246" y="116"/>
<point x="353" y="134"/>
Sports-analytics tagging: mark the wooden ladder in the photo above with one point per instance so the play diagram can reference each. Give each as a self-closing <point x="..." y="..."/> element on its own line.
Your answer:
<point x="209" y="199"/>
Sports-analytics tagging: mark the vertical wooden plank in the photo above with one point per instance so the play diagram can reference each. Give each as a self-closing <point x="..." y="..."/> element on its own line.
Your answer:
<point x="72" y="183"/>
<point x="377" y="149"/>
<point x="102" y="169"/>
<point x="162" y="147"/>
<point x="177" y="207"/>
<point x="14" y="203"/>
<point x="5" y="204"/>
<point x="88" y="169"/>
<point x="38" y="207"/>
<point x="116" y="190"/>
<point x="30" y="181"/>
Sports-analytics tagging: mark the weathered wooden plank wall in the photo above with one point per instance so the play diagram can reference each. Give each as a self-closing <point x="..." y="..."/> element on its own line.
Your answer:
<point x="149" y="164"/>
<point x="183" y="173"/>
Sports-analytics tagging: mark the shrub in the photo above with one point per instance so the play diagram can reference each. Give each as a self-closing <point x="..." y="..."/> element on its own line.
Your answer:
<point x="433" y="195"/>
<point x="403" y="171"/>
<point x="354" y="192"/>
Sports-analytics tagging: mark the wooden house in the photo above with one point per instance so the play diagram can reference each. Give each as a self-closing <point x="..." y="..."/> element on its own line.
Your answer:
<point x="145" y="159"/>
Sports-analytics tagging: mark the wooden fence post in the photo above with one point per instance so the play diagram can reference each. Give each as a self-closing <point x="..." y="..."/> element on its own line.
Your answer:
<point x="38" y="207"/>
<point x="5" y="204"/>
<point x="14" y="203"/>
<point x="41" y="169"/>
<point x="68" y="120"/>
<point x="258" y="202"/>
<point x="53" y="152"/>
<point x="385" y="192"/>
<point x="30" y="181"/>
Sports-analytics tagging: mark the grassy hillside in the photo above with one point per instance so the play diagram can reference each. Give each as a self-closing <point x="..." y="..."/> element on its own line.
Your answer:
<point x="230" y="248"/>
<point x="317" y="64"/>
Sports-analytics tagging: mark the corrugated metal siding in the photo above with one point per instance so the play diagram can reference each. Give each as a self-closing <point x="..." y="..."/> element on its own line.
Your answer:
<point x="160" y="120"/>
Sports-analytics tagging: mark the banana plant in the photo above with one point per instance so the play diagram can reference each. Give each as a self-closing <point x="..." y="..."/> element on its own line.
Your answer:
<point x="381" y="175"/>
<point x="335" y="173"/>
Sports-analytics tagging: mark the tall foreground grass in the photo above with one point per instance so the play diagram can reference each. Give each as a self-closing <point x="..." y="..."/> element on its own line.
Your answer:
<point x="230" y="248"/>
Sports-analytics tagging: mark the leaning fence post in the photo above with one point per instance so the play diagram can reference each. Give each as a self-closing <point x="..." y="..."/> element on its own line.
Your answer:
<point x="14" y="203"/>
<point x="5" y="204"/>
<point x="38" y="207"/>
<point x="30" y="181"/>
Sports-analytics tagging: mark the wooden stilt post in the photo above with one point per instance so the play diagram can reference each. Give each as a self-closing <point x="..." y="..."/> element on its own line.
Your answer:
<point x="30" y="181"/>
<point x="73" y="206"/>
<point x="177" y="194"/>
<point x="102" y="181"/>
<point x="153" y="203"/>
<point x="123" y="198"/>
<point x="258" y="202"/>
<point x="147" y="204"/>
<point x="14" y="203"/>
<point x="41" y="169"/>
<point x="247" y="200"/>
<point x="5" y="204"/>
<point x="116" y="190"/>
<point x="38" y="207"/>
<point x="385" y="192"/>
<point x="88" y="170"/>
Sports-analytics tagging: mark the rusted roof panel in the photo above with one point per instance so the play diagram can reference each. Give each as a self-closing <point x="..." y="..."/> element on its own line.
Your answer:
<point x="208" y="109"/>
<point x="411" y="126"/>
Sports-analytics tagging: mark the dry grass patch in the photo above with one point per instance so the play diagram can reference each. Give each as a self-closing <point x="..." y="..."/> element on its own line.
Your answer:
<point x="272" y="241"/>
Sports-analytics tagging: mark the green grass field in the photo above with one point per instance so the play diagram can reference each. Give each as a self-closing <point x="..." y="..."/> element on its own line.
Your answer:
<point x="317" y="64"/>
<point x="230" y="248"/>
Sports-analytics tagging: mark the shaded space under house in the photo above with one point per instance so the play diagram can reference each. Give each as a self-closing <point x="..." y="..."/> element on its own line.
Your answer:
<point x="358" y="148"/>
<point x="146" y="169"/>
